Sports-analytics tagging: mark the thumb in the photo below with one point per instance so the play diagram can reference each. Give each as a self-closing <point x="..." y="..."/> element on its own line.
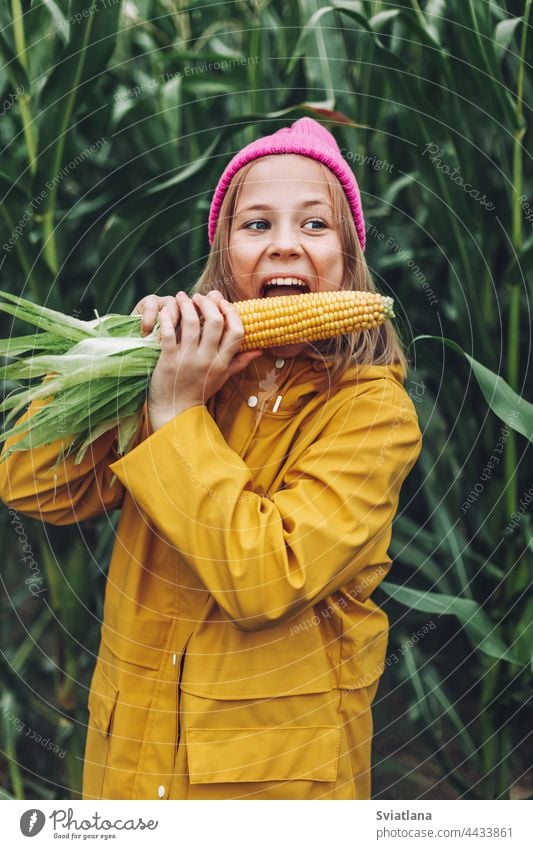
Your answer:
<point x="240" y="361"/>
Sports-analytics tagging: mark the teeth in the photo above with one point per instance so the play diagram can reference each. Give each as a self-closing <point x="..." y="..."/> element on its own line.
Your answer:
<point x="287" y="281"/>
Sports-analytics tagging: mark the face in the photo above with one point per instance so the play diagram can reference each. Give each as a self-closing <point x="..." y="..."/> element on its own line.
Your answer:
<point x="283" y="224"/>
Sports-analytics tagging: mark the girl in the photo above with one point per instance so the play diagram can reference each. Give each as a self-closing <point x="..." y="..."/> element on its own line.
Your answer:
<point x="240" y="649"/>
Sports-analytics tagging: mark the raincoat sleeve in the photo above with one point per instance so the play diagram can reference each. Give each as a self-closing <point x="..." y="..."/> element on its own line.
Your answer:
<point x="62" y="494"/>
<point x="267" y="558"/>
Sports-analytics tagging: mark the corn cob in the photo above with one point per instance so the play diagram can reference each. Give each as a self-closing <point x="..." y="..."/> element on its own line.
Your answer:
<point x="288" y="319"/>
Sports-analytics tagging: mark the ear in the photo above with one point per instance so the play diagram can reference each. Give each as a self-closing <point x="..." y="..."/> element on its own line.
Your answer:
<point x="240" y="361"/>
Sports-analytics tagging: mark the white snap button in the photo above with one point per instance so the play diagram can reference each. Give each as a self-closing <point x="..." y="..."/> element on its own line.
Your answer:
<point x="252" y="401"/>
<point x="161" y="791"/>
<point x="280" y="363"/>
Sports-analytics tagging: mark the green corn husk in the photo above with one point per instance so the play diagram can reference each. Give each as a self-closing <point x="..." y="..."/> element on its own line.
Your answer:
<point x="96" y="377"/>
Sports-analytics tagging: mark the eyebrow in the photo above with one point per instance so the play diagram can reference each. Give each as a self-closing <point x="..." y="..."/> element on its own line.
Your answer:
<point x="264" y="206"/>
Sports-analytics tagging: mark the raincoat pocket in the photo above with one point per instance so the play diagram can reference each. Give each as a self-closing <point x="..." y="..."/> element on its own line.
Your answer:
<point x="218" y="755"/>
<point x="121" y="701"/>
<point x="293" y="658"/>
<point x="364" y="644"/>
<point x="102" y="702"/>
<point x="278" y="748"/>
<point x="136" y="641"/>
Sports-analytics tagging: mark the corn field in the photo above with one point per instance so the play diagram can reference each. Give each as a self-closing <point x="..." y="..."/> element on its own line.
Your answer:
<point x="117" y="118"/>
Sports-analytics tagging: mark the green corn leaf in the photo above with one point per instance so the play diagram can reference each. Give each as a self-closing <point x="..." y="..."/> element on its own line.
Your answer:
<point x="469" y="613"/>
<point x="324" y="67"/>
<point x="504" y="34"/>
<point x="15" y="346"/>
<point x="59" y="19"/>
<point x="504" y="402"/>
<point x="13" y="68"/>
<point x="91" y="43"/>
<point x="128" y="427"/>
<point x="56" y="322"/>
<point x="114" y="368"/>
<point x="428" y="708"/>
<point x="440" y="704"/>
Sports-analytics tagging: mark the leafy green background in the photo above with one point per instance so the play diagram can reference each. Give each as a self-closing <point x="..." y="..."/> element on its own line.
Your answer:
<point x="117" y="119"/>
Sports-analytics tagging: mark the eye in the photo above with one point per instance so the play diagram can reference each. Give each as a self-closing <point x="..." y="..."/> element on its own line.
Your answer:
<point x="262" y="221"/>
<point x="259" y="221"/>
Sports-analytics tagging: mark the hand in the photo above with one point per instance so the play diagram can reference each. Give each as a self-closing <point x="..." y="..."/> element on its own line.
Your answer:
<point x="149" y="308"/>
<point x="190" y="371"/>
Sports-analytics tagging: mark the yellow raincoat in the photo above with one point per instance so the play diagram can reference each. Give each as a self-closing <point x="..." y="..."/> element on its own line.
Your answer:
<point x="240" y="649"/>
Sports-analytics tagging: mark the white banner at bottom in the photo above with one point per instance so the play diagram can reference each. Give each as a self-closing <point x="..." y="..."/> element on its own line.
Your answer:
<point x="268" y="824"/>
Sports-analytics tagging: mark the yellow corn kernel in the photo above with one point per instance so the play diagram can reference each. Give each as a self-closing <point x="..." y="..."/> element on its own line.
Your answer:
<point x="289" y="319"/>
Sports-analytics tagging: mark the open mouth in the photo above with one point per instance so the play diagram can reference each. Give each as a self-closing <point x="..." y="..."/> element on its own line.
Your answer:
<point x="284" y="286"/>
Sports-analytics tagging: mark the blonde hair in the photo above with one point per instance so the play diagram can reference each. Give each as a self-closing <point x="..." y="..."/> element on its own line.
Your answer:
<point x="376" y="346"/>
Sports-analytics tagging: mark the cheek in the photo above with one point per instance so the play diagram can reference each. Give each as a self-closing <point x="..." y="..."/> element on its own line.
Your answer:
<point x="329" y="256"/>
<point x="242" y="256"/>
<point x="330" y="265"/>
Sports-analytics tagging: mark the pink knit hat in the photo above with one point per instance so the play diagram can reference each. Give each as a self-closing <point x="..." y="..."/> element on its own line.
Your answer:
<point x="308" y="138"/>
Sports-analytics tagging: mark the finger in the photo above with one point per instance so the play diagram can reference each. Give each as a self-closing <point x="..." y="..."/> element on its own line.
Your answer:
<point x="148" y="308"/>
<point x="189" y="323"/>
<point x="172" y="305"/>
<point x="139" y="306"/>
<point x="240" y="361"/>
<point x="234" y="334"/>
<point x="213" y="326"/>
<point x="167" y="332"/>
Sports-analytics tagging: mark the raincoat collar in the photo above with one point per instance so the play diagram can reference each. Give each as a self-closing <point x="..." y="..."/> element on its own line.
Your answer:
<point x="304" y="368"/>
<point x="268" y="377"/>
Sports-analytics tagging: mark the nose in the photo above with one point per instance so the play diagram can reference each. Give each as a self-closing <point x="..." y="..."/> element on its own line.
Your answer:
<point x="284" y="248"/>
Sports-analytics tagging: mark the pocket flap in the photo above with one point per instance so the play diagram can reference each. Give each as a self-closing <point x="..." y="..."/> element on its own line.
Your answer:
<point x="263" y="754"/>
<point x="140" y="642"/>
<point x="102" y="699"/>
